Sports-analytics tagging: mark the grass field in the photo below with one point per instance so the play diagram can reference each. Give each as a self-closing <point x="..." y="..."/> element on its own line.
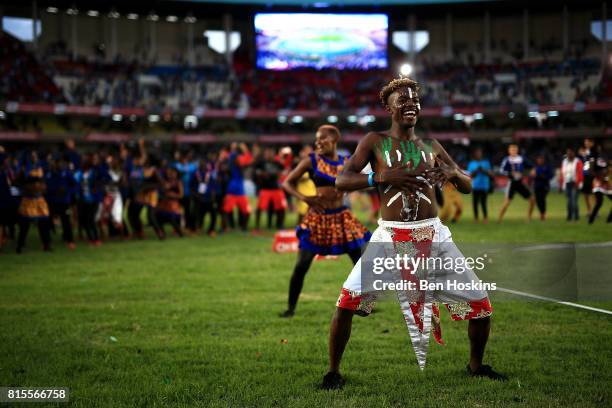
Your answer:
<point x="193" y="322"/>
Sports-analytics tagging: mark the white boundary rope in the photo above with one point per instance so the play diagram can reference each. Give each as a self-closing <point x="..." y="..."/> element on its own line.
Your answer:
<point x="538" y="297"/>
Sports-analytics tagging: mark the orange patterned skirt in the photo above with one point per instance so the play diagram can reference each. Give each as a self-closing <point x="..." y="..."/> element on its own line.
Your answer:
<point x="33" y="208"/>
<point x="332" y="232"/>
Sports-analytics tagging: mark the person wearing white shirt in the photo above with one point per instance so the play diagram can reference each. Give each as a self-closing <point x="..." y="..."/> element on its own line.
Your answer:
<point x="571" y="182"/>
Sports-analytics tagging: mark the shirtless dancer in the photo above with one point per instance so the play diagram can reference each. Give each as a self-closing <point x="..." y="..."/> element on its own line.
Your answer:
<point x="406" y="170"/>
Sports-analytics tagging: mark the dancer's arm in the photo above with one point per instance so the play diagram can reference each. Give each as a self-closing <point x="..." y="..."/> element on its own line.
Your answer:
<point x="290" y="184"/>
<point x="142" y="149"/>
<point x="448" y="170"/>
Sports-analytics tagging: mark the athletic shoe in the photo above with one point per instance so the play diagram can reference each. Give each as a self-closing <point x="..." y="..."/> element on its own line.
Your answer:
<point x="287" y="313"/>
<point x="332" y="381"/>
<point x="486" y="371"/>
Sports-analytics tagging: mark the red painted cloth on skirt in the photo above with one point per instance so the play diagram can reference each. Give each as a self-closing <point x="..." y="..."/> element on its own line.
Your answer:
<point x="420" y="239"/>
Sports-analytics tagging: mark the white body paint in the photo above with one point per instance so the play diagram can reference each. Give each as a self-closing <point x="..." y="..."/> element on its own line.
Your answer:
<point x="423" y="196"/>
<point x="424" y="180"/>
<point x="395" y="197"/>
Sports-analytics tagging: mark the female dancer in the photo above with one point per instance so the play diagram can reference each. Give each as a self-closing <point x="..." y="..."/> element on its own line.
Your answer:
<point x="328" y="228"/>
<point x="169" y="208"/>
<point x="144" y="180"/>
<point x="33" y="207"/>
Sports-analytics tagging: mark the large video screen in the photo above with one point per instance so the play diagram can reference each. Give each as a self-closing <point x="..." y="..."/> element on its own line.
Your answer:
<point x="344" y="41"/>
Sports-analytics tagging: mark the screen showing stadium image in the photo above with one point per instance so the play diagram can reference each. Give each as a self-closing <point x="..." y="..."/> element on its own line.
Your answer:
<point x="343" y="41"/>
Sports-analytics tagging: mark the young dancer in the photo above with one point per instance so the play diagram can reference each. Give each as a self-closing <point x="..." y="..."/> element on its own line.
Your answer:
<point x="33" y="206"/>
<point x="144" y="181"/>
<point x="169" y="207"/>
<point x="328" y="228"/>
<point x="405" y="170"/>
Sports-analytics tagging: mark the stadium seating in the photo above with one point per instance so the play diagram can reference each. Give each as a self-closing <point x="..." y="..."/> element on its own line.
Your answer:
<point x="122" y="84"/>
<point x="22" y="77"/>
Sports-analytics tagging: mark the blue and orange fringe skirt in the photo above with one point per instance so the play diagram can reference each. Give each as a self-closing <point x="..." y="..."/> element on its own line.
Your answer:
<point x="332" y="232"/>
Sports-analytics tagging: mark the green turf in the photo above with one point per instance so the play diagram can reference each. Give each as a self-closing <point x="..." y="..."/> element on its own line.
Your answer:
<point x="195" y="323"/>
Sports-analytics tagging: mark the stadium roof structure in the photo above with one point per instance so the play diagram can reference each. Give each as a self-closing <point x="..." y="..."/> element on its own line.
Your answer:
<point x="245" y="8"/>
<point x="543" y="4"/>
<point x="336" y="3"/>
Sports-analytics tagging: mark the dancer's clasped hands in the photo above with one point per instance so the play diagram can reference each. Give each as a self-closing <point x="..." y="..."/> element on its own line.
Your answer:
<point x="402" y="178"/>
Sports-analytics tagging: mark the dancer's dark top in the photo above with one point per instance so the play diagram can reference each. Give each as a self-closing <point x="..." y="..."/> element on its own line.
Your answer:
<point x="324" y="171"/>
<point x="268" y="172"/>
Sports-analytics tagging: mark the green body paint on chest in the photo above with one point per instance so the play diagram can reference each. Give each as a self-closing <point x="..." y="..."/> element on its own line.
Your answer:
<point x="385" y="148"/>
<point x="410" y="152"/>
